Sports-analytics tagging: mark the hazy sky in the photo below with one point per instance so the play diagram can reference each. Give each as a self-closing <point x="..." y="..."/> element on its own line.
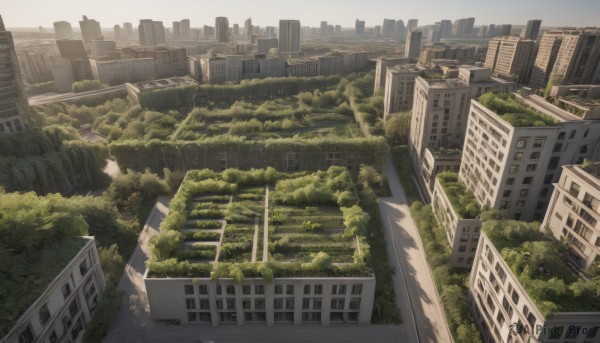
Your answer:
<point x="33" y="13"/>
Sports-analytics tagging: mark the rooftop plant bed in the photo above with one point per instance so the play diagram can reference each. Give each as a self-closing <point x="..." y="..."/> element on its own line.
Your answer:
<point x="462" y="199"/>
<point x="536" y="260"/>
<point x="512" y="110"/>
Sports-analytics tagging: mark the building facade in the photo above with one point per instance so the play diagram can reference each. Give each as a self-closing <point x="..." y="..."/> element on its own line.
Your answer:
<point x="574" y="213"/>
<point x="13" y="102"/>
<point x="289" y="35"/>
<point x="359" y="27"/>
<point x="61" y="312"/>
<point x="222" y="29"/>
<point x="511" y="58"/>
<point x="511" y="167"/>
<point x="116" y="72"/>
<point x="399" y="88"/>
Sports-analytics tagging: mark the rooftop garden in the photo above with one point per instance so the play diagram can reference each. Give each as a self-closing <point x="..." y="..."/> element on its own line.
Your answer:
<point x="216" y="226"/>
<point x="462" y="199"/>
<point x="512" y="110"/>
<point x="536" y="260"/>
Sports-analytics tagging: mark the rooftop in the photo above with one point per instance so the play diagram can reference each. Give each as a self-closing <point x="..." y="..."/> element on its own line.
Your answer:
<point x="248" y="221"/>
<point x="535" y="259"/>
<point x="592" y="168"/>
<point x="444" y="151"/>
<point x="514" y="111"/>
<point x="462" y="199"/>
<point x="164" y="83"/>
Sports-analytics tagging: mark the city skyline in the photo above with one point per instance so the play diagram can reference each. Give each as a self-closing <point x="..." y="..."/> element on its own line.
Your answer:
<point x="553" y="13"/>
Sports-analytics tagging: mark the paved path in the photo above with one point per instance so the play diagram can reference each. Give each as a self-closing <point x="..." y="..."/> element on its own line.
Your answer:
<point x="134" y="315"/>
<point x="415" y="291"/>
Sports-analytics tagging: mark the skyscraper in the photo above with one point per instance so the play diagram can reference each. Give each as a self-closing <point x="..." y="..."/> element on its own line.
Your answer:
<point x="222" y="29"/>
<point x="13" y="102"/>
<point x="235" y="29"/>
<point x="248" y="29"/>
<point x="90" y="30"/>
<point x="400" y="28"/>
<point x="184" y="29"/>
<point x="505" y="30"/>
<point x="127" y="31"/>
<point x="412" y="24"/>
<point x="270" y="32"/>
<point x="289" y="35"/>
<point x="389" y="27"/>
<point x="445" y="28"/>
<point x="469" y="27"/>
<point x="532" y="29"/>
<point x="569" y="56"/>
<point x="118" y="32"/>
<point x="151" y="32"/>
<point x="63" y="30"/>
<point x="176" y="30"/>
<point x="413" y="44"/>
<point x="359" y="27"/>
<point x="323" y="29"/>
<point x="510" y="58"/>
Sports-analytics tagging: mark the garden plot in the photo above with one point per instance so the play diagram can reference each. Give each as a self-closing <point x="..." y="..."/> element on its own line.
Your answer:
<point x="296" y="233"/>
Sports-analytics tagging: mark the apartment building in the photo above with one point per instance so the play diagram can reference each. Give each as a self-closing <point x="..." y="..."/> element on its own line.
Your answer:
<point x="399" y="88"/>
<point x="569" y="55"/>
<point x="331" y="64"/>
<point x="289" y="35"/>
<point x="507" y="310"/>
<point x="61" y="311"/>
<point x="511" y="58"/>
<point x="13" y="102"/>
<point x="574" y="213"/>
<point x="381" y="71"/>
<point x="440" y="110"/>
<point x="510" y="160"/>
<point x="462" y="226"/>
<point x="532" y="29"/>
<point x="262" y="66"/>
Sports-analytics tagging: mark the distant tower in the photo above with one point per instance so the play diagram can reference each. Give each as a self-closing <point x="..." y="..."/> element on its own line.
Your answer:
<point x="412" y="24"/>
<point x="532" y="29"/>
<point x="90" y="30"/>
<point x="118" y="32"/>
<point x="289" y="35"/>
<point x="151" y="32"/>
<point x="127" y="31"/>
<point x="359" y="27"/>
<point x="222" y="29"/>
<point x="413" y="44"/>
<point x="248" y="29"/>
<point x="13" y="103"/>
<point x="63" y="30"/>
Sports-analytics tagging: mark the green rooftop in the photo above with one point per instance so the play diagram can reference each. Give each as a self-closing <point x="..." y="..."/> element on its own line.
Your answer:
<point x="462" y="199"/>
<point x="536" y="259"/>
<point x="512" y="110"/>
<point x="262" y="223"/>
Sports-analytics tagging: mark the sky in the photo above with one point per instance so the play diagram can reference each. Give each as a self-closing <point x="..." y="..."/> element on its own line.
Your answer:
<point x="34" y="13"/>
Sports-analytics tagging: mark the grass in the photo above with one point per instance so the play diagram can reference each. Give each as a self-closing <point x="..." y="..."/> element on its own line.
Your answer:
<point x="512" y="110"/>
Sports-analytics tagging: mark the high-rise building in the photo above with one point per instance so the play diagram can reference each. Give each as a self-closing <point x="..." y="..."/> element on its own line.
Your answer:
<point x="63" y="30"/>
<point x="400" y="28"/>
<point x="532" y="29"/>
<point x="222" y="29"/>
<point x="434" y="33"/>
<point x="389" y="27"/>
<point x="176" y="30"/>
<point x="572" y="212"/>
<point x="510" y="160"/>
<point x="289" y="35"/>
<point x="74" y="50"/>
<point x="184" y="29"/>
<point x="270" y="32"/>
<point x="463" y="27"/>
<point x="413" y="44"/>
<point x="90" y="30"/>
<point x="470" y="26"/>
<point x="266" y="44"/>
<point x="399" y="88"/>
<point x="338" y="29"/>
<point x="439" y="115"/>
<point x="445" y="28"/>
<point x="412" y="24"/>
<point x="359" y="27"/>
<point x="13" y="103"/>
<point x="323" y="29"/>
<point x="567" y="56"/>
<point x="511" y="58"/>
<point x="127" y="31"/>
<point x="505" y="30"/>
<point x="209" y="32"/>
<point x="151" y="32"/>
<point x="235" y="30"/>
<point x="492" y="30"/>
<point x="248" y="29"/>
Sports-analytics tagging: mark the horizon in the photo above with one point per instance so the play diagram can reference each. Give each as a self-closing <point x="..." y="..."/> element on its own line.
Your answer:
<point x="553" y="13"/>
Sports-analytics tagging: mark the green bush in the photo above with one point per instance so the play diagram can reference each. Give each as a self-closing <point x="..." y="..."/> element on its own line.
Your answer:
<point x="87" y="85"/>
<point x="202" y="236"/>
<point x="208" y="224"/>
<point x="310" y="226"/>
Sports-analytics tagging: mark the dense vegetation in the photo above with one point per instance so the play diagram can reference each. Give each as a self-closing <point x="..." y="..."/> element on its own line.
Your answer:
<point x="451" y="284"/>
<point x="88" y="85"/>
<point x="397" y="128"/>
<point x="180" y="98"/>
<point x="538" y="263"/>
<point x="514" y="111"/>
<point x="462" y="199"/>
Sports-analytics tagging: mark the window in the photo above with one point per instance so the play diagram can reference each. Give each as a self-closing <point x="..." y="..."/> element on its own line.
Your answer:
<point x="531" y="167"/>
<point x="572" y="134"/>
<point x="190" y="304"/>
<point x="318" y="289"/>
<point x="561" y="135"/>
<point x="189" y="289"/>
<point x="278" y="304"/>
<point x="557" y="147"/>
<point x="259" y="304"/>
<point x="219" y="304"/>
<point x="289" y="289"/>
<point x="583" y="149"/>
<point x="515" y="297"/>
<point x="219" y="290"/>
<point x="66" y="290"/>
<point x="514" y="168"/>
<point x="26" y="335"/>
<point x="521" y="143"/>
<point x="317" y="304"/>
<point x="538" y="142"/>
<point x="83" y="268"/>
<point x="503" y="205"/>
<point x="528" y="180"/>
<point x="204" y="304"/>
<point x="44" y="314"/>
<point x="278" y="289"/>
<point x="574" y="191"/>
<point x="355" y="303"/>
<point x="203" y="289"/>
<point x="462" y="248"/>
<point x="357" y="289"/>
<point x="259" y="289"/>
<point x="523" y="192"/>
<point x="230" y="290"/>
<point x="518" y="156"/>
<point x="305" y="303"/>
<point x="553" y="164"/>
<point x="342" y="289"/>
<point x="306" y="289"/>
<point x="191" y="316"/>
<point x="548" y="179"/>
<point x="230" y="303"/>
<point x="525" y="310"/>
<point x="510" y="181"/>
<point x="289" y="303"/>
<point x="337" y="304"/>
<point x="334" y="289"/>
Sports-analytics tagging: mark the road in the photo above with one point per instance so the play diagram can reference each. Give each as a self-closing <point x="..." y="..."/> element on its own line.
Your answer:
<point x="416" y="294"/>
<point x="42" y="100"/>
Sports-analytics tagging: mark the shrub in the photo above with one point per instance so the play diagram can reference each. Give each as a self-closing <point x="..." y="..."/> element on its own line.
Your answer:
<point x="87" y="85"/>
<point x="310" y="226"/>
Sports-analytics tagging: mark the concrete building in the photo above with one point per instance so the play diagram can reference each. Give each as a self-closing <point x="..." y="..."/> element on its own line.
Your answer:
<point x="74" y="50"/>
<point x="381" y="65"/>
<point x="116" y="72"/>
<point x="181" y="29"/>
<point x="359" y="27"/>
<point x="462" y="227"/>
<point x="389" y="27"/>
<point x="127" y="31"/>
<point x="507" y="310"/>
<point x="412" y="24"/>
<point x="302" y="67"/>
<point x="400" y="28"/>
<point x="266" y="44"/>
<point x="289" y="35"/>
<point x="118" y="32"/>
<point x="511" y="58"/>
<point x="35" y="61"/>
<point x="90" y="30"/>
<point x="151" y="32"/>
<point x="463" y="27"/>
<point x="433" y="36"/>
<point x="413" y="44"/>
<point x="445" y="28"/>
<point x="532" y="29"/>
<point x="222" y="29"/>
<point x="62" y="73"/>
<point x="248" y="29"/>
<point x="270" y="32"/>
<point x="102" y="48"/>
<point x="511" y="162"/>
<point x="221" y="69"/>
<point x="331" y="64"/>
<point x="208" y="32"/>
<point x="323" y="29"/>
<point x="67" y="304"/>
<point x="569" y="56"/>
<point x="262" y="66"/>
<point x="440" y="111"/>
<point x="13" y="102"/>
<point x="63" y="30"/>
<point x="399" y="88"/>
<point x="574" y="212"/>
<point x="354" y="61"/>
<point x="169" y="61"/>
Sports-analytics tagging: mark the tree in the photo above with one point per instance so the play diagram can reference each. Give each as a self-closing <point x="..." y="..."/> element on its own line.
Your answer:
<point x="369" y="177"/>
<point x="397" y="128"/>
<point x="112" y="263"/>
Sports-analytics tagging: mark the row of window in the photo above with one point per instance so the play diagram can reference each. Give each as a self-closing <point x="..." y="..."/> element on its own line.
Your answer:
<point x="278" y="304"/>
<point x="356" y="289"/>
<point x="307" y="317"/>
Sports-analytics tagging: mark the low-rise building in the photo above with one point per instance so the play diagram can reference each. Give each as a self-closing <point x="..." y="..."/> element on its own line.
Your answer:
<point x="457" y="211"/>
<point x="262" y="66"/>
<point x="63" y="74"/>
<point x="520" y="289"/>
<point x="116" y="72"/>
<point x="61" y="311"/>
<point x="573" y="214"/>
<point x="354" y="61"/>
<point x="304" y="67"/>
